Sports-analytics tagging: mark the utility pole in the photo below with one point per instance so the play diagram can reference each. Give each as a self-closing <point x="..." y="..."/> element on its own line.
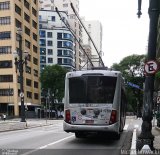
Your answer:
<point x="146" y="137"/>
<point x="19" y="62"/>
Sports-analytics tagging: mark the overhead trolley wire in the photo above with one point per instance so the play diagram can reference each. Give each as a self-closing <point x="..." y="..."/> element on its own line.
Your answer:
<point x="87" y="34"/>
<point x="68" y="26"/>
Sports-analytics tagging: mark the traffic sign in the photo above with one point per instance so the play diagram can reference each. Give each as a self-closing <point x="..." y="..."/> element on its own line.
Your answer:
<point x="21" y="94"/>
<point x="151" y="67"/>
<point x="158" y="99"/>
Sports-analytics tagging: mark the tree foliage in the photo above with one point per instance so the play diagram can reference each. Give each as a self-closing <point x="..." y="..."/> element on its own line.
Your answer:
<point x="132" y="68"/>
<point x="53" y="78"/>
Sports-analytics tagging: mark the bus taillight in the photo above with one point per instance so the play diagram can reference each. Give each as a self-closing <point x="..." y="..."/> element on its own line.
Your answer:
<point x="67" y="116"/>
<point x="113" y="118"/>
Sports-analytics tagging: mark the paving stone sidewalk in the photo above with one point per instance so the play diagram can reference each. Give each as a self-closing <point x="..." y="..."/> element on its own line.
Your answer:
<point x="16" y="124"/>
<point x="156" y="133"/>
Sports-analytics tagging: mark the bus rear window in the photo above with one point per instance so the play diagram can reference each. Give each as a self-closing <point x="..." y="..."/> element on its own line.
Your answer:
<point x="92" y="89"/>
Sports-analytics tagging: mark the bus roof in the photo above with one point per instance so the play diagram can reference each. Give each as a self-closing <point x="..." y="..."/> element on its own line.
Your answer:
<point x="94" y="72"/>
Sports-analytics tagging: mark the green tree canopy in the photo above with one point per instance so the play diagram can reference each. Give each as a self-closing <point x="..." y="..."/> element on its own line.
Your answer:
<point x="53" y="78"/>
<point x="132" y="68"/>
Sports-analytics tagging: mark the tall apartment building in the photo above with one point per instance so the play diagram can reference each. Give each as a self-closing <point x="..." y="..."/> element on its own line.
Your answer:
<point x="94" y="28"/>
<point x="19" y="14"/>
<point x="56" y="41"/>
<point x="64" y="5"/>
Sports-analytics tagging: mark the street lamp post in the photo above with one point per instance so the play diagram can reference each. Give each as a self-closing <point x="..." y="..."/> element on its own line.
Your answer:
<point x="146" y="137"/>
<point x="19" y="62"/>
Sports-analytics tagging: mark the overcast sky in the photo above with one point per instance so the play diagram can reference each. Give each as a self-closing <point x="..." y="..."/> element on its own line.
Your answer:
<point x="124" y="33"/>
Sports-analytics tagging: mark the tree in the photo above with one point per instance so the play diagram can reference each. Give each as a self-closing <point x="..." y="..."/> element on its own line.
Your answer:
<point x="132" y="68"/>
<point x="53" y="78"/>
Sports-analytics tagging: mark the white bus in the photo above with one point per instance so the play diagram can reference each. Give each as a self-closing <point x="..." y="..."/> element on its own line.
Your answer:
<point x="95" y="101"/>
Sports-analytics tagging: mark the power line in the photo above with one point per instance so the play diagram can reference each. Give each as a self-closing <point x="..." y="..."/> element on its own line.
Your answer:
<point x="68" y="26"/>
<point x="87" y="34"/>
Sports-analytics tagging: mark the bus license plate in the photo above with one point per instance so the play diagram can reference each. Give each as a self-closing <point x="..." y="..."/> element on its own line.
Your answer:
<point x="89" y="121"/>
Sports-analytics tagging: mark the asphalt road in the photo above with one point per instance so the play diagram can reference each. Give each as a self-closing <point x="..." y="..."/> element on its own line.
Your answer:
<point x="53" y="140"/>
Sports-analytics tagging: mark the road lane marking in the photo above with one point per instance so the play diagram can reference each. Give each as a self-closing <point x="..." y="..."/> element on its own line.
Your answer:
<point x="133" y="146"/>
<point x="58" y="141"/>
<point x="44" y="146"/>
<point x="126" y="127"/>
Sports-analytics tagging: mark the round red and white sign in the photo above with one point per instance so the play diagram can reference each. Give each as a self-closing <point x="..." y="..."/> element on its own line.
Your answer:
<point x="151" y="67"/>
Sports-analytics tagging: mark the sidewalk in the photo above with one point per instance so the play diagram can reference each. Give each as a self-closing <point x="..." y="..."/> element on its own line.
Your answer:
<point x="156" y="133"/>
<point x="16" y="124"/>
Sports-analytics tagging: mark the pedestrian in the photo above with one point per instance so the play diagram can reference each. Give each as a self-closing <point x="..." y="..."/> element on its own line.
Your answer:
<point x="4" y="117"/>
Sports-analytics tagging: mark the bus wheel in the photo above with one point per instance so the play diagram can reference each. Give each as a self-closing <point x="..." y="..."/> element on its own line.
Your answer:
<point x="79" y="135"/>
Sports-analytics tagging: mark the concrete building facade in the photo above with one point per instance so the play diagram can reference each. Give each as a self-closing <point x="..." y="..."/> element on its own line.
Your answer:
<point x="94" y="29"/>
<point x="14" y="15"/>
<point x="56" y="41"/>
<point x="64" y="5"/>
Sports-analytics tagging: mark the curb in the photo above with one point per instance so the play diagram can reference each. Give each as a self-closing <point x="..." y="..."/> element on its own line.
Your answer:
<point x="157" y="128"/>
<point x="22" y="127"/>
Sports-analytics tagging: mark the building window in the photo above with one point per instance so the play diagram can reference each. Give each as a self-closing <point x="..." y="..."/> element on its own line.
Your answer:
<point x="42" y="59"/>
<point x="29" y="57"/>
<point x="59" y="52"/>
<point x="35" y="49"/>
<point x="42" y="34"/>
<point x="28" y="82"/>
<point x="5" y="20"/>
<point x="29" y="94"/>
<point x="34" y="36"/>
<point x="6" y="64"/>
<point x="67" y="36"/>
<point x="5" y="5"/>
<point x="35" y="72"/>
<point x="42" y="51"/>
<point x="18" y="23"/>
<point x="35" y="61"/>
<point x="26" y="17"/>
<point x="34" y="12"/>
<point x="17" y="9"/>
<point x="27" y="44"/>
<point x="5" y="35"/>
<point x="50" y="60"/>
<point x="6" y="92"/>
<point x="27" y="31"/>
<point x="35" y="84"/>
<point x="28" y="69"/>
<point x="49" y="34"/>
<point x="42" y="67"/>
<point x="42" y="42"/>
<point x="59" y="44"/>
<point x="50" y="52"/>
<point x="6" y="78"/>
<point x="26" y="4"/>
<point x="67" y="44"/>
<point x="40" y="26"/>
<point x="34" y="24"/>
<point x="53" y="18"/>
<point x="5" y="49"/>
<point x="59" y="35"/>
<point x="50" y="43"/>
<point x="36" y="96"/>
<point x="59" y="61"/>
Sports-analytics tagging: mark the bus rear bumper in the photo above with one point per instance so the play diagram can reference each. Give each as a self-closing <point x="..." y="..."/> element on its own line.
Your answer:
<point x="91" y="128"/>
